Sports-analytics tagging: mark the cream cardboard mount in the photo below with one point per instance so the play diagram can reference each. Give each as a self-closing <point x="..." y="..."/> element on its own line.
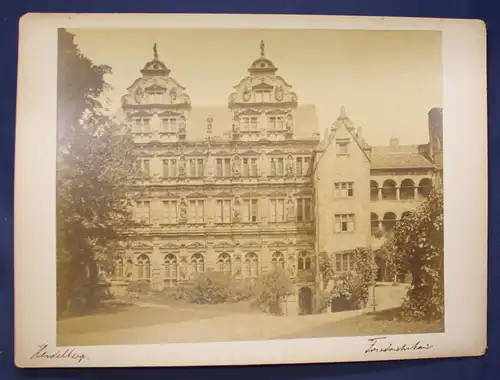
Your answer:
<point x="244" y="182"/>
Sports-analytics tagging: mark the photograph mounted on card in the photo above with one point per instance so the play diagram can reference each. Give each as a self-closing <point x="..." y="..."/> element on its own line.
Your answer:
<point x="207" y="189"/>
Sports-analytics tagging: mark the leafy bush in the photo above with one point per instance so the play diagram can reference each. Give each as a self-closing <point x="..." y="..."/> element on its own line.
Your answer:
<point x="418" y="244"/>
<point x="352" y="286"/>
<point x="211" y="288"/>
<point x="322" y="302"/>
<point x="141" y="287"/>
<point x="270" y="289"/>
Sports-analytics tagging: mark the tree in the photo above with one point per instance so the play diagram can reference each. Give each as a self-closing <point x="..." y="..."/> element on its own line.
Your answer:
<point x="95" y="163"/>
<point x="270" y="288"/>
<point x="418" y="247"/>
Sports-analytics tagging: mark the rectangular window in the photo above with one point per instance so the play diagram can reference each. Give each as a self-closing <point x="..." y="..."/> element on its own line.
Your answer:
<point x="253" y="167"/>
<point x="169" y="125"/>
<point x="277" y="210"/>
<point x="144" y="212"/>
<point x="142" y="125"/>
<point x="222" y="211"/>
<point x="280" y="169"/>
<point x="223" y="168"/>
<point x="219" y="167"/>
<point x="304" y="209"/>
<point x="250" y="124"/>
<point x="305" y="168"/>
<point x="344" y="189"/>
<point x="344" y="262"/>
<point x="169" y="168"/>
<point x="298" y="166"/>
<point x="201" y="168"/>
<point x="227" y="167"/>
<point x="246" y="167"/>
<point x="253" y="123"/>
<point x="192" y="168"/>
<point x="196" y="211"/>
<point x="144" y="167"/>
<point x="342" y="147"/>
<point x="250" y="167"/>
<point x="170" y="212"/>
<point x="250" y="210"/>
<point x="273" y="167"/>
<point x="276" y="123"/>
<point x="344" y="223"/>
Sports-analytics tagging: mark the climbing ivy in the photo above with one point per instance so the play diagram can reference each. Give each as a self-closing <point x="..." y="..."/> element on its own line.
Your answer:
<point x="353" y="285"/>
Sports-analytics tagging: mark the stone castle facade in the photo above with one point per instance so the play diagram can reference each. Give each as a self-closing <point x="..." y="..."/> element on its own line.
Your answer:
<point x="251" y="186"/>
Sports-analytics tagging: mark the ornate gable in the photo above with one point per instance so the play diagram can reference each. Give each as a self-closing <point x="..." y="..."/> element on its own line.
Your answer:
<point x="223" y="246"/>
<point x="277" y="152"/>
<point x="141" y="246"/>
<point x="277" y="245"/>
<point x="141" y="114"/>
<point x="262" y="87"/>
<point x="169" y="247"/>
<point x="169" y="113"/>
<point x="196" y="246"/>
<point x="223" y="194"/>
<point x="196" y="195"/>
<point x="250" y="153"/>
<point x="155" y="87"/>
<point x="277" y="194"/>
<point x="251" y="244"/>
<point x="195" y="153"/>
<point x="250" y="194"/>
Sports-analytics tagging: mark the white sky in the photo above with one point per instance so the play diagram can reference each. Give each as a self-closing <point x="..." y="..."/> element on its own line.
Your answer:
<point x="387" y="80"/>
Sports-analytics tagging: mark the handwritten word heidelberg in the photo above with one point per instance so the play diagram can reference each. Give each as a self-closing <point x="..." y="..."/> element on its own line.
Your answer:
<point x="380" y="345"/>
<point x="68" y="353"/>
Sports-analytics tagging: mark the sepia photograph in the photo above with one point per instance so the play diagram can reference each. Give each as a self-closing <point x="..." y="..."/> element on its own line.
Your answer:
<point x="239" y="184"/>
<point x="231" y="194"/>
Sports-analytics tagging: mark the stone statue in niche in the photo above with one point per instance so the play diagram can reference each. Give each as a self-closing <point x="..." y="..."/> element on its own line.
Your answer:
<point x="139" y="95"/>
<point x="247" y="94"/>
<point x="289" y="123"/>
<point x="292" y="268"/>
<point x="291" y="208"/>
<point x="182" y="125"/>
<point x="182" y="167"/>
<point x="173" y="95"/>
<point x="236" y="216"/>
<point x="236" y="167"/>
<point x="236" y="124"/>
<point x="183" y="211"/>
<point x="279" y="93"/>
<point x="289" y="166"/>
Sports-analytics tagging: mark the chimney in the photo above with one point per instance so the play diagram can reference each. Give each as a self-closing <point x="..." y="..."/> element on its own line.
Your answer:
<point x="394" y="142"/>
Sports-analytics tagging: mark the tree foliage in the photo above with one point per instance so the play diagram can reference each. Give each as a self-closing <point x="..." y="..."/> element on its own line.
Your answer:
<point x="270" y="289"/>
<point x="95" y="162"/>
<point x="418" y="246"/>
<point x="353" y="286"/>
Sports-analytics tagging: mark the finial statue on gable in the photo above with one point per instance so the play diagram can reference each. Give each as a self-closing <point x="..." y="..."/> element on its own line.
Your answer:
<point x="262" y="47"/>
<point x="155" y="52"/>
<point x="343" y="114"/>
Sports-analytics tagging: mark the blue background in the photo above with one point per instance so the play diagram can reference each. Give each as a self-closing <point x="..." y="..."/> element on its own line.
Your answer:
<point x="486" y="367"/>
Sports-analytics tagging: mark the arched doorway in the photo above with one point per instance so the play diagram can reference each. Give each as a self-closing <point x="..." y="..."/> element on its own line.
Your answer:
<point x="305" y="301"/>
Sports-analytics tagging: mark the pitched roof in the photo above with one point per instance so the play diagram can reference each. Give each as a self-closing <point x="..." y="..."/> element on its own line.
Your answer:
<point x="305" y="122"/>
<point x="400" y="157"/>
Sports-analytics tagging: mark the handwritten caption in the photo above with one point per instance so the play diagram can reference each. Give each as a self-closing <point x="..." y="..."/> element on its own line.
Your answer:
<point x="381" y="344"/>
<point x="68" y="353"/>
